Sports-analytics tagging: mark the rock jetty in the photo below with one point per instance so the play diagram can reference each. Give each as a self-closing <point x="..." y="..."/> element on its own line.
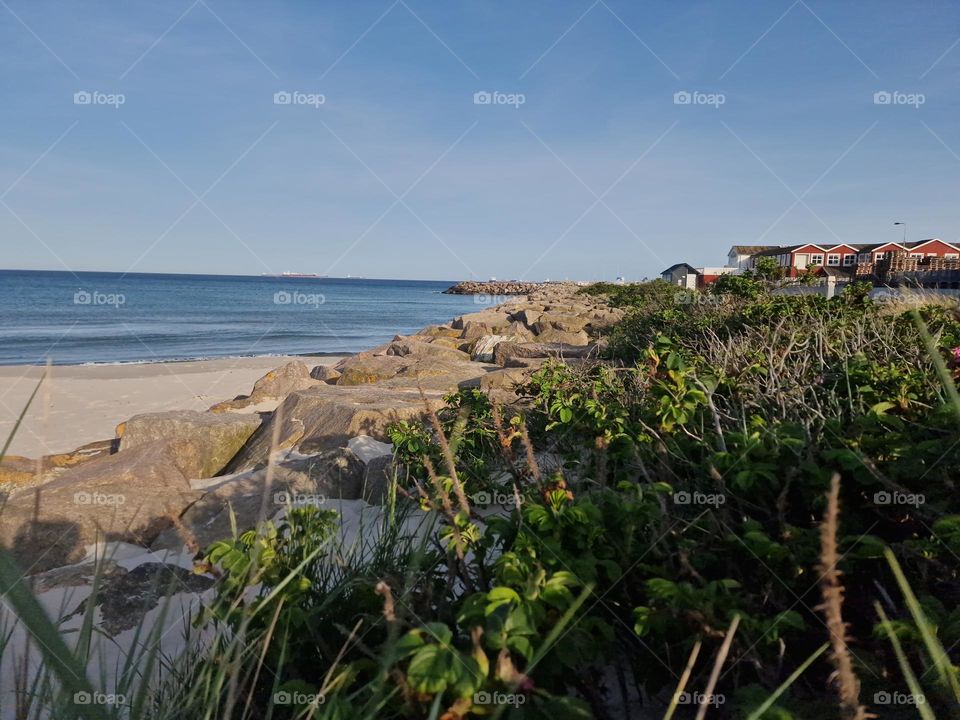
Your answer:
<point x="493" y="287"/>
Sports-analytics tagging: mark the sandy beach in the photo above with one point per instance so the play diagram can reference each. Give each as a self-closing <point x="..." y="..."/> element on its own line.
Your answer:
<point x="78" y="404"/>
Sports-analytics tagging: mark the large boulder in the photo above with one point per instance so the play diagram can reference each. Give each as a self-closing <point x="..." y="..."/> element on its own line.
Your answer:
<point x="260" y="494"/>
<point x="439" y="331"/>
<point x="439" y="374"/>
<point x="17" y="471"/>
<point x="129" y="496"/>
<point x="506" y="379"/>
<point x="364" y="369"/>
<point x="326" y="417"/>
<point x="201" y="444"/>
<point x="506" y="352"/>
<point x="418" y="349"/>
<point x="483" y="349"/>
<point x="278" y="383"/>
<point x="325" y="373"/>
<point x="473" y="330"/>
<point x="528" y="316"/>
<point x="563" y="323"/>
<point x="552" y="335"/>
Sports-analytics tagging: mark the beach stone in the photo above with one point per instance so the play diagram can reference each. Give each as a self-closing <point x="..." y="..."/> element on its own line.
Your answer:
<point x="473" y="330"/>
<point x="484" y="347"/>
<point x="519" y="330"/>
<point x="330" y="475"/>
<point x="456" y="343"/>
<point x="506" y="379"/>
<point x="327" y="417"/>
<point x="377" y="479"/>
<point x="552" y="335"/>
<point x="283" y="380"/>
<point x="415" y="349"/>
<point x="201" y="443"/>
<point x="563" y="323"/>
<point x="439" y="331"/>
<point x="325" y="373"/>
<point x="439" y="374"/>
<point x="17" y="471"/>
<point x="366" y="448"/>
<point x="277" y="383"/>
<point x="130" y="496"/>
<point x="527" y="316"/>
<point x="504" y="353"/>
<point x="362" y="369"/>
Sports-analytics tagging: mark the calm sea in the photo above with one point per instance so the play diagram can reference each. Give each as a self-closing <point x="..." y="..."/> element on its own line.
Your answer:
<point x="86" y="317"/>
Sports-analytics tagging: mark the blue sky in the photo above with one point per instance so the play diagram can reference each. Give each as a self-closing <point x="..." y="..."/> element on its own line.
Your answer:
<point x="398" y="173"/>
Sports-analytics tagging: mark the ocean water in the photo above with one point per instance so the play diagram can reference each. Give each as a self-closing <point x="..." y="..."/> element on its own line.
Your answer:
<point x="76" y="318"/>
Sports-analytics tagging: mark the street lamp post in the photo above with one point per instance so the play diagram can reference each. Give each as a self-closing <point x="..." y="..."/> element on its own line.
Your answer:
<point x="904" y="231"/>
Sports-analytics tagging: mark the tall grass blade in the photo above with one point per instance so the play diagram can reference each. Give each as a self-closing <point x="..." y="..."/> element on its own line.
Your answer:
<point x="945" y="670"/>
<point x="925" y="712"/>
<point x="768" y="703"/>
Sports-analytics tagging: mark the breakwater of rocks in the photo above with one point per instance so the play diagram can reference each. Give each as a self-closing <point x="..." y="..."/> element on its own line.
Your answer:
<point x="493" y="287"/>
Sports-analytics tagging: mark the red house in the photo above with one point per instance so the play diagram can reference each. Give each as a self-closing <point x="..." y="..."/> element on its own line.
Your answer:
<point x="843" y="258"/>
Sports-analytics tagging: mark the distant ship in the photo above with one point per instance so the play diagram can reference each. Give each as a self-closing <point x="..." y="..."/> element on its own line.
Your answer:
<point x="294" y="275"/>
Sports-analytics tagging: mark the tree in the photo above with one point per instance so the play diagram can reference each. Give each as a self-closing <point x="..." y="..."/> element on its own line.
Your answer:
<point x="768" y="269"/>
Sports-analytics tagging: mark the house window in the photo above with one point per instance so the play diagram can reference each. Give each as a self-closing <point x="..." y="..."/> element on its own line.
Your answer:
<point x="816" y="259"/>
<point x="916" y="255"/>
<point x="864" y="257"/>
<point x="848" y="259"/>
<point x="833" y="259"/>
<point x="951" y="256"/>
<point x="879" y="256"/>
<point x="932" y="255"/>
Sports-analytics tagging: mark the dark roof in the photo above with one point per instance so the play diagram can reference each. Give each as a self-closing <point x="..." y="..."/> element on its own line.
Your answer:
<point x="779" y="250"/>
<point x="835" y="271"/>
<point x="751" y="249"/>
<point x="863" y="247"/>
<point x="691" y="268"/>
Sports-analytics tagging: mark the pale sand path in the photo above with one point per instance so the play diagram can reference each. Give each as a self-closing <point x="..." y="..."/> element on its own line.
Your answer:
<point x="78" y="404"/>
